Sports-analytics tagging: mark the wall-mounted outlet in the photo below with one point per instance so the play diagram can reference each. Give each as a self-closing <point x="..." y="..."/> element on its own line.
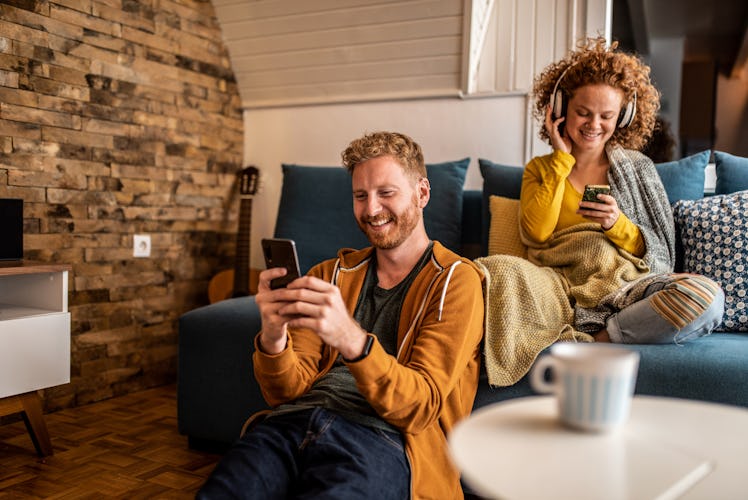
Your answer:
<point x="141" y="245"/>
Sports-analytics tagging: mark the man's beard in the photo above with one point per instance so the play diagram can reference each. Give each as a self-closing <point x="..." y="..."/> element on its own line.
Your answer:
<point x="402" y="227"/>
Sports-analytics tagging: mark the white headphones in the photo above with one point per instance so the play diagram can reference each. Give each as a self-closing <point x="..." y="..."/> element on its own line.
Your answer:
<point x="559" y="103"/>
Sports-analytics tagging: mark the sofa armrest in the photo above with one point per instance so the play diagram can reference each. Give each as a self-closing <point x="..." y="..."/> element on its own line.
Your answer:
<point x="216" y="388"/>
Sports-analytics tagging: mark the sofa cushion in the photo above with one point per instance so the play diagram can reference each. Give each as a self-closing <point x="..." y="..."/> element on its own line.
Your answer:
<point x="503" y="236"/>
<point x="316" y="210"/>
<point x="732" y="173"/>
<point x="714" y="235"/>
<point x="313" y="197"/>
<point x="711" y="369"/>
<point x="443" y="214"/>
<point x="684" y="179"/>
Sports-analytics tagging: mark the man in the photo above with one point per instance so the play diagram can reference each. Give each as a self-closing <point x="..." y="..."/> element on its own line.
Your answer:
<point x="370" y="359"/>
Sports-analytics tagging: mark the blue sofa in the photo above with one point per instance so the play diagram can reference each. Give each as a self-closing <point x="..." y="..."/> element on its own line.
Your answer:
<point x="216" y="387"/>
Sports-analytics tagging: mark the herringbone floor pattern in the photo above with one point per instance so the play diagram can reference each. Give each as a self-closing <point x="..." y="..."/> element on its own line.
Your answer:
<point x="124" y="447"/>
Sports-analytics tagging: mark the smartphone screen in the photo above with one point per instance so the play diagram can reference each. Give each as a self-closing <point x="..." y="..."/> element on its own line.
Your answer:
<point x="280" y="252"/>
<point x="592" y="190"/>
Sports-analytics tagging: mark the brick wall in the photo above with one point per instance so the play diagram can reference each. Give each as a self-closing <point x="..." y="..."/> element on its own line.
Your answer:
<point x="120" y="117"/>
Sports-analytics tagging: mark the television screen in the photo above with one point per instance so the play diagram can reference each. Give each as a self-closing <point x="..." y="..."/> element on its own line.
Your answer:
<point x="11" y="229"/>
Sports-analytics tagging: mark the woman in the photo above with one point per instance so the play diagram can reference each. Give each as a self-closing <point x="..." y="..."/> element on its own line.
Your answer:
<point x="596" y="270"/>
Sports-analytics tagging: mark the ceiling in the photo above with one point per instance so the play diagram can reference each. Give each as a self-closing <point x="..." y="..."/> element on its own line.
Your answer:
<point x="712" y="29"/>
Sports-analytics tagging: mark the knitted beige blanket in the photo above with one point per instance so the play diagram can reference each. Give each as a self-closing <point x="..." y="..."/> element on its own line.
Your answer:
<point x="530" y="303"/>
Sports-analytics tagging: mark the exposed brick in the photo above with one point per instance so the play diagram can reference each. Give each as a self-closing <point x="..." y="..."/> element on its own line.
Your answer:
<point x="15" y="64"/>
<point x="8" y="78"/>
<point x="39" y="22"/>
<point x="52" y="87"/>
<point x="88" y="168"/>
<point x="29" y="194"/>
<point x="40" y="116"/>
<point x="30" y="5"/>
<point x="104" y="41"/>
<point x="132" y="13"/>
<point x="120" y="117"/>
<point x="58" y="180"/>
<point x="32" y="154"/>
<point x="90" y="22"/>
<point x="66" y="75"/>
<point x="18" y="96"/>
<point x="67" y="136"/>
<point x="20" y="129"/>
<point x="79" y="5"/>
<point x="54" y="103"/>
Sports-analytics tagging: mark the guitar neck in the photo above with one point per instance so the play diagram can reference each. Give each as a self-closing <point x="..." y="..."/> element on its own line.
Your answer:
<point x="241" y="267"/>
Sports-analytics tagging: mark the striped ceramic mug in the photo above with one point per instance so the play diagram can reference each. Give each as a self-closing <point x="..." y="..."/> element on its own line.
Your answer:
<point x="593" y="383"/>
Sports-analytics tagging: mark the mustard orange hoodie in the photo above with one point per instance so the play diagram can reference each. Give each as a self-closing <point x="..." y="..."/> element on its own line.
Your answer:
<point x="431" y="383"/>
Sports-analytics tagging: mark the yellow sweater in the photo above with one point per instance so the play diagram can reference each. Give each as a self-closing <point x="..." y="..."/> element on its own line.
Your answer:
<point x="549" y="203"/>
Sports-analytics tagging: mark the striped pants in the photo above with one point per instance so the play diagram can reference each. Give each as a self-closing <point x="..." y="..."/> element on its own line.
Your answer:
<point x="680" y="308"/>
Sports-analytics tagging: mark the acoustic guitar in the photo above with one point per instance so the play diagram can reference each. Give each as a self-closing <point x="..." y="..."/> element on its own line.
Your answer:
<point x="236" y="282"/>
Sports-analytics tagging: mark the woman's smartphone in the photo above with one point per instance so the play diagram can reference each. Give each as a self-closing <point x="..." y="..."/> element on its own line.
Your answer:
<point x="281" y="252"/>
<point x="592" y="190"/>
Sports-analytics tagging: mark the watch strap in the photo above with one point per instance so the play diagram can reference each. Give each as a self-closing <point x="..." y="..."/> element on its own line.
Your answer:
<point x="365" y="352"/>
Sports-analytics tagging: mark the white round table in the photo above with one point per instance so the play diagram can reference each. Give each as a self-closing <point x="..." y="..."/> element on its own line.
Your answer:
<point x="669" y="448"/>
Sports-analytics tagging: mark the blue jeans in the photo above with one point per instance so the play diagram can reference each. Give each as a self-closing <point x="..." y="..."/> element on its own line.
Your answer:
<point x="639" y="323"/>
<point x="312" y="454"/>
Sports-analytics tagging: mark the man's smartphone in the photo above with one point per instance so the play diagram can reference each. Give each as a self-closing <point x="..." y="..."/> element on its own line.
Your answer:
<point x="281" y="252"/>
<point x="592" y="190"/>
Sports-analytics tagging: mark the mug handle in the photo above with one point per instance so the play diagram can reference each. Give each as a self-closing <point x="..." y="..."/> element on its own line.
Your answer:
<point x="537" y="374"/>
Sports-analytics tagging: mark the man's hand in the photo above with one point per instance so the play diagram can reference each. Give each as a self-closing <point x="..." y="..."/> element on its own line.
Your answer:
<point x="312" y="303"/>
<point x="274" y="331"/>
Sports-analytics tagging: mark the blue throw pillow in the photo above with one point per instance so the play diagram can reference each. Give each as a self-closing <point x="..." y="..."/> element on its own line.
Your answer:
<point x="316" y="209"/>
<point x="732" y="173"/>
<point x="714" y="235"/>
<point x="443" y="214"/>
<point x="499" y="180"/>
<point x="684" y="179"/>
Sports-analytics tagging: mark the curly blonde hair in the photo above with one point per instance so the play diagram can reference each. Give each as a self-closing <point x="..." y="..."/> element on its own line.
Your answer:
<point x="399" y="146"/>
<point x="596" y="63"/>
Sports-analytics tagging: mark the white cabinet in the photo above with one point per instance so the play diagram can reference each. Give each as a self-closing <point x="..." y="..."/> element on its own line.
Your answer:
<point x="34" y="336"/>
<point x="34" y="327"/>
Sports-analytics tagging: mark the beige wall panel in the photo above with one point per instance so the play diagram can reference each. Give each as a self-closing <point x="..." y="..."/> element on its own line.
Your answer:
<point x="258" y="9"/>
<point x="341" y="18"/>
<point x="358" y="71"/>
<point x="297" y="50"/>
<point x="562" y="42"/>
<point x="486" y="77"/>
<point x="349" y="91"/>
<point x="545" y="33"/>
<point x="306" y="40"/>
<point x="506" y="41"/>
<point x="525" y="46"/>
<point x="450" y="45"/>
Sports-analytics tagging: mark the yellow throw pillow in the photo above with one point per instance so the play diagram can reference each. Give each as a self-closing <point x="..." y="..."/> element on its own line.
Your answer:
<point x="503" y="234"/>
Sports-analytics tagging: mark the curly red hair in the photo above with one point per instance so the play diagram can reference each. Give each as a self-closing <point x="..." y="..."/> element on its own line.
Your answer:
<point x="595" y="63"/>
<point x="399" y="146"/>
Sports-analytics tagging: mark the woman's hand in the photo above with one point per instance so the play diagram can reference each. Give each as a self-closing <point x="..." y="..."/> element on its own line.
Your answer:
<point x="605" y="211"/>
<point x="558" y="142"/>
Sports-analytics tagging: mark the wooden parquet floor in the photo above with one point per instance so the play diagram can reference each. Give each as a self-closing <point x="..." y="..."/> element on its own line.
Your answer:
<point x="124" y="447"/>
